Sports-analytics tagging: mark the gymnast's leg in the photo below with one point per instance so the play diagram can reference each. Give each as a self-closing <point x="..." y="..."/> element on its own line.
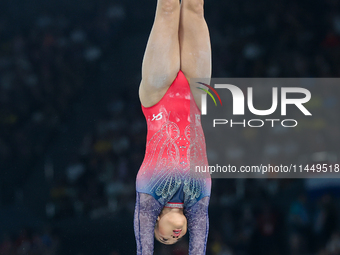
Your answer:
<point x="195" y="47"/>
<point x="161" y="61"/>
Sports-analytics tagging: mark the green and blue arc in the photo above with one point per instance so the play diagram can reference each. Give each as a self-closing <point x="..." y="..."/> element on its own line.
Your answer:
<point x="210" y="93"/>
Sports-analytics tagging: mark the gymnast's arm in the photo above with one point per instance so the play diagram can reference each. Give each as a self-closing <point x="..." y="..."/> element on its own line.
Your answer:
<point x="147" y="209"/>
<point x="198" y="226"/>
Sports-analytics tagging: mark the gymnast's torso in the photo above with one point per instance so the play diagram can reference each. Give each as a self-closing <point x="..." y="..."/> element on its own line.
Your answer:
<point x="175" y="145"/>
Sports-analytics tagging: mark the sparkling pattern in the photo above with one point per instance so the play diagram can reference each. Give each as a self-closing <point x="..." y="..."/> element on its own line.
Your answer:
<point x="170" y="168"/>
<point x="198" y="226"/>
<point x="174" y="205"/>
<point x="164" y="159"/>
<point x="147" y="210"/>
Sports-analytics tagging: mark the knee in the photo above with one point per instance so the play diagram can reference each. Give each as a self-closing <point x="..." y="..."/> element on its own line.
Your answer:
<point x="195" y="6"/>
<point x="169" y="6"/>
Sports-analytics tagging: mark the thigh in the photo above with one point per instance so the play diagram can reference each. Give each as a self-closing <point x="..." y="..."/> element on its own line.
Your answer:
<point x="161" y="60"/>
<point x="195" y="48"/>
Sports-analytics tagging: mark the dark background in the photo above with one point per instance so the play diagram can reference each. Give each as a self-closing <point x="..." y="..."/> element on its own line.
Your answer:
<point x="72" y="133"/>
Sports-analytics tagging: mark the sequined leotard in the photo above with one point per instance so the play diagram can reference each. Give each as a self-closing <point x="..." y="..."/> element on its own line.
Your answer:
<point x="175" y="145"/>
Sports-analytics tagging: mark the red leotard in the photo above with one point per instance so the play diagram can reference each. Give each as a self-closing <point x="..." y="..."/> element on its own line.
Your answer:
<point x="175" y="146"/>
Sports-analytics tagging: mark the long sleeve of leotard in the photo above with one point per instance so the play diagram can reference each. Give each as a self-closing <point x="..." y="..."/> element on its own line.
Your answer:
<point x="147" y="209"/>
<point x="198" y="226"/>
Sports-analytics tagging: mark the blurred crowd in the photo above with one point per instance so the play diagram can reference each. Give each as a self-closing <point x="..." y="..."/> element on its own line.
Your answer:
<point x="97" y="181"/>
<point x="275" y="39"/>
<point x="31" y="242"/>
<point x="43" y="69"/>
<point x="261" y="224"/>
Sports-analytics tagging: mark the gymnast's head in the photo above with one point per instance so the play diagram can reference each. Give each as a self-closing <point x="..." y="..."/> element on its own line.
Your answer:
<point x="171" y="225"/>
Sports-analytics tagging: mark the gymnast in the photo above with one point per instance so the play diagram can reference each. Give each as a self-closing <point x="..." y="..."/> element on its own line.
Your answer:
<point x="171" y="198"/>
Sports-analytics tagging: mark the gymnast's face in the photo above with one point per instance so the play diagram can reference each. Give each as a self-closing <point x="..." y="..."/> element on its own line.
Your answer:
<point x="170" y="226"/>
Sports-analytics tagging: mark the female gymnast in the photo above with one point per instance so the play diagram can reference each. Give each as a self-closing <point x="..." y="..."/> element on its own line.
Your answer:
<point x="171" y="197"/>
